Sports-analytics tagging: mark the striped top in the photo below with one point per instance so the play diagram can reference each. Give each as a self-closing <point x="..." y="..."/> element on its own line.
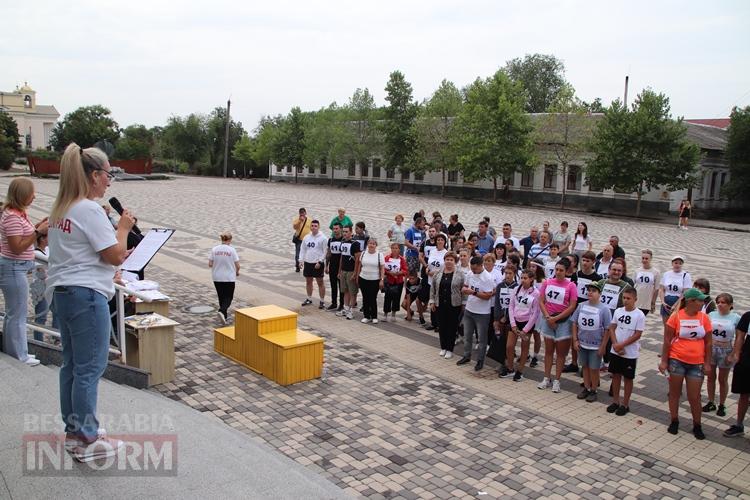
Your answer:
<point x="15" y="223"/>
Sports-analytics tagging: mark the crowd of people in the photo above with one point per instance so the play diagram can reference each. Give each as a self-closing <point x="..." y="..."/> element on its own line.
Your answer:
<point x="492" y="291"/>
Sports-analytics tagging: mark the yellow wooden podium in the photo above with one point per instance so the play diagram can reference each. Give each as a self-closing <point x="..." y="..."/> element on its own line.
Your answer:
<point x="266" y="340"/>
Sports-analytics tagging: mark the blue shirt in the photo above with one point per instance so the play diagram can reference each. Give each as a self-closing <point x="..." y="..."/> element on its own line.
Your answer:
<point x="485" y="243"/>
<point x="415" y="237"/>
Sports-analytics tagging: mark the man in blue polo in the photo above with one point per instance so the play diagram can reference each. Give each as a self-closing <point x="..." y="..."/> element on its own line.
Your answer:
<point x="414" y="237"/>
<point x="486" y="242"/>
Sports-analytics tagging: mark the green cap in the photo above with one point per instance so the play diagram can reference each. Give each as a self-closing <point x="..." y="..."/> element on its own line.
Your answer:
<point x="595" y="284"/>
<point x="694" y="293"/>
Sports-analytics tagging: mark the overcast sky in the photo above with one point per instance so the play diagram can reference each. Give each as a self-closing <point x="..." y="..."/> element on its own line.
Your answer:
<point x="148" y="60"/>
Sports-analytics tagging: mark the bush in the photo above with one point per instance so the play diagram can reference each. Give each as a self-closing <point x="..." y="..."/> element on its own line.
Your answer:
<point x="43" y="154"/>
<point x="21" y="161"/>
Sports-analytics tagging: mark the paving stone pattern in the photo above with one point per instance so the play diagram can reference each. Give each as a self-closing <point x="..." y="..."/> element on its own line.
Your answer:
<point x="379" y="428"/>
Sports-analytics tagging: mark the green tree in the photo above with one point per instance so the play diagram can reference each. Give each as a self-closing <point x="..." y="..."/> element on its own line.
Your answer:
<point x="328" y="137"/>
<point x="492" y="135"/>
<point x="137" y="142"/>
<point x="265" y="139"/>
<point x="361" y="111"/>
<point x="398" y="132"/>
<point x="433" y="127"/>
<point x="594" y="106"/>
<point x="243" y="152"/>
<point x="542" y="77"/>
<point x="186" y="138"/>
<point x="289" y="146"/>
<point x="637" y="151"/>
<point x="564" y="133"/>
<point x="738" y="153"/>
<point x="216" y="136"/>
<point x="85" y="126"/>
<point x="10" y="141"/>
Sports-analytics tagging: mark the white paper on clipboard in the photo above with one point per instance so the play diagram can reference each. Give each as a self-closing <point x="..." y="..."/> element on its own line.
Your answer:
<point x="146" y="249"/>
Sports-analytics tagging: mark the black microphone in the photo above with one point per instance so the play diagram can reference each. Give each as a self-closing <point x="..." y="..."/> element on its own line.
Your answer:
<point x="115" y="203"/>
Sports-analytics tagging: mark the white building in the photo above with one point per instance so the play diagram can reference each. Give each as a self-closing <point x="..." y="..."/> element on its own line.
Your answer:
<point x="545" y="184"/>
<point x="35" y="121"/>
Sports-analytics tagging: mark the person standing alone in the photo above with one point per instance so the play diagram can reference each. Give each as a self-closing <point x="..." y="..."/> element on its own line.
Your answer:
<point x="225" y="267"/>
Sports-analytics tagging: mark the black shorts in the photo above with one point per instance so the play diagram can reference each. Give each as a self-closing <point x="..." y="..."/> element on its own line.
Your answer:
<point x="741" y="375"/>
<point x="310" y="272"/>
<point x="622" y="366"/>
<point x="645" y="311"/>
<point x="424" y="293"/>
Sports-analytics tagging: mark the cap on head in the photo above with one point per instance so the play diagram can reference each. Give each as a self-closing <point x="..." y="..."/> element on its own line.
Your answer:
<point x="694" y="293"/>
<point x="678" y="257"/>
<point x="595" y="284"/>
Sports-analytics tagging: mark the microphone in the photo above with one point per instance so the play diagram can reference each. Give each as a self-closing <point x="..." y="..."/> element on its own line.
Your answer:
<point x="115" y="203"/>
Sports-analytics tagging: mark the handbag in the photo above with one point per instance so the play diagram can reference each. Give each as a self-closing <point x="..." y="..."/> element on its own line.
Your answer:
<point x="295" y="237"/>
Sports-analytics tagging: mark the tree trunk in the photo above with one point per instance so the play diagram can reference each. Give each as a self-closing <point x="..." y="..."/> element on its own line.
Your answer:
<point x="333" y="171"/>
<point x="564" y="185"/>
<point x="361" y="180"/>
<point x="296" y="171"/>
<point x="494" y="190"/>
<point x="442" y="190"/>
<point x="638" y="202"/>
<point x="401" y="183"/>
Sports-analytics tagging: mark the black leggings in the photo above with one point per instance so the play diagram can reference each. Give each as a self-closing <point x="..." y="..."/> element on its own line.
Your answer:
<point x="392" y="301"/>
<point x="369" y="297"/>
<point x="334" y="279"/>
<point x="225" y="291"/>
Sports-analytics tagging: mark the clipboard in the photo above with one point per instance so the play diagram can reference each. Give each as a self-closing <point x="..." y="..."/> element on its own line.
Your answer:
<point x="146" y="249"/>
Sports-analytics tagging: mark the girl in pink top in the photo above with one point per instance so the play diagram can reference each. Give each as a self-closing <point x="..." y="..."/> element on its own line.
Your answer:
<point x="523" y="313"/>
<point x="558" y="298"/>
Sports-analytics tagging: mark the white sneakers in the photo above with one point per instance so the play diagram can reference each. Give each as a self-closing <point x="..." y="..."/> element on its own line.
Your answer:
<point x="555" y="386"/>
<point x="442" y="353"/>
<point x="374" y="321"/>
<point x="31" y="361"/>
<point x="365" y="320"/>
<point x="72" y="442"/>
<point x="448" y="355"/>
<point x="544" y="384"/>
<point x="103" y="447"/>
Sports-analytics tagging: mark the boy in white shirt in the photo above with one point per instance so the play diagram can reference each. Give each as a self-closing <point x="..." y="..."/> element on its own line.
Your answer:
<point x="625" y="331"/>
<point x="549" y="262"/>
<point x="313" y="256"/>
<point x="647" y="279"/>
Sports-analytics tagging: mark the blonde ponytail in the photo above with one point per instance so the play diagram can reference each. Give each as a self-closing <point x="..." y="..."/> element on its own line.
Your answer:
<point x="76" y="166"/>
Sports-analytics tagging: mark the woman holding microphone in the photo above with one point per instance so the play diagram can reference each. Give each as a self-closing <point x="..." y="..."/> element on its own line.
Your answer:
<point x="84" y="250"/>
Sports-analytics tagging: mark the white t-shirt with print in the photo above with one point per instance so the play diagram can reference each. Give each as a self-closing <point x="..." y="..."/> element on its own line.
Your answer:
<point x="74" y="246"/>
<point x="482" y="282"/>
<point x="627" y="323"/>
<point x="223" y="258"/>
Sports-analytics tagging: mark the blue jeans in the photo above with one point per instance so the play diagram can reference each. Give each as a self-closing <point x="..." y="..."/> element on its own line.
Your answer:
<point x="14" y="282"/>
<point x="83" y="316"/>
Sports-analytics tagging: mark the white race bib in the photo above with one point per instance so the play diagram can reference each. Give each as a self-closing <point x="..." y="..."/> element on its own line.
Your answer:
<point x="645" y="278"/>
<point x="610" y="295"/>
<point x="583" y="291"/>
<point x="674" y="287"/>
<point x="393" y="266"/>
<point x="722" y="332"/>
<point x="588" y="318"/>
<point x="549" y="269"/>
<point x="555" y="295"/>
<point x="691" y="329"/>
<point x="505" y="298"/>
<point x="524" y="302"/>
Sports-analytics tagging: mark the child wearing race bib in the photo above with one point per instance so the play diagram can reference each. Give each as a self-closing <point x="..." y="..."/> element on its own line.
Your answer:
<point x="395" y="272"/>
<point x="687" y="355"/>
<point x="522" y="316"/>
<point x="723" y="325"/>
<point x="590" y="322"/>
<point x="551" y="260"/>
<point x="557" y="301"/>
<point x="503" y="296"/>
<point x="625" y="331"/>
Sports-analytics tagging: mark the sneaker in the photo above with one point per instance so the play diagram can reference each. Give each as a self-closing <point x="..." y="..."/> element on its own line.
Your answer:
<point x="463" y="360"/>
<point x="674" y="426"/>
<point x="374" y="321"/>
<point x="592" y="397"/>
<point x="448" y="355"/>
<point x="321" y="305"/>
<point x="222" y="317"/>
<point x="421" y="320"/>
<point x="505" y="373"/>
<point x="710" y="406"/>
<point x="442" y="352"/>
<point x="722" y="411"/>
<point x="349" y="315"/>
<point x="534" y="362"/>
<point x="332" y="307"/>
<point x="31" y="361"/>
<point x="71" y="442"/>
<point x="555" y="386"/>
<point x="545" y="383"/>
<point x="340" y="313"/>
<point x="363" y="320"/>
<point x="518" y="377"/>
<point x="622" y="410"/>
<point x="734" y="431"/>
<point x="307" y="302"/>
<point x="571" y="368"/>
<point x="583" y="394"/>
<point x="698" y="432"/>
<point x="103" y="447"/>
<point x="613" y="407"/>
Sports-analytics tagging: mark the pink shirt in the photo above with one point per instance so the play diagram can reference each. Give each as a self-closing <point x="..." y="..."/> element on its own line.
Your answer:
<point x="524" y="307"/>
<point x="15" y="223"/>
<point x="558" y="294"/>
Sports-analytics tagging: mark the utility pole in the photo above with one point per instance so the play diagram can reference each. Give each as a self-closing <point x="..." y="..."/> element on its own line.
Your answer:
<point x="625" y="102"/>
<point x="226" y="140"/>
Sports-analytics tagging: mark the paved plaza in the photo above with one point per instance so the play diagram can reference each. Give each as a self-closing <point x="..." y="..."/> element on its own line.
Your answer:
<point x="392" y="419"/>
